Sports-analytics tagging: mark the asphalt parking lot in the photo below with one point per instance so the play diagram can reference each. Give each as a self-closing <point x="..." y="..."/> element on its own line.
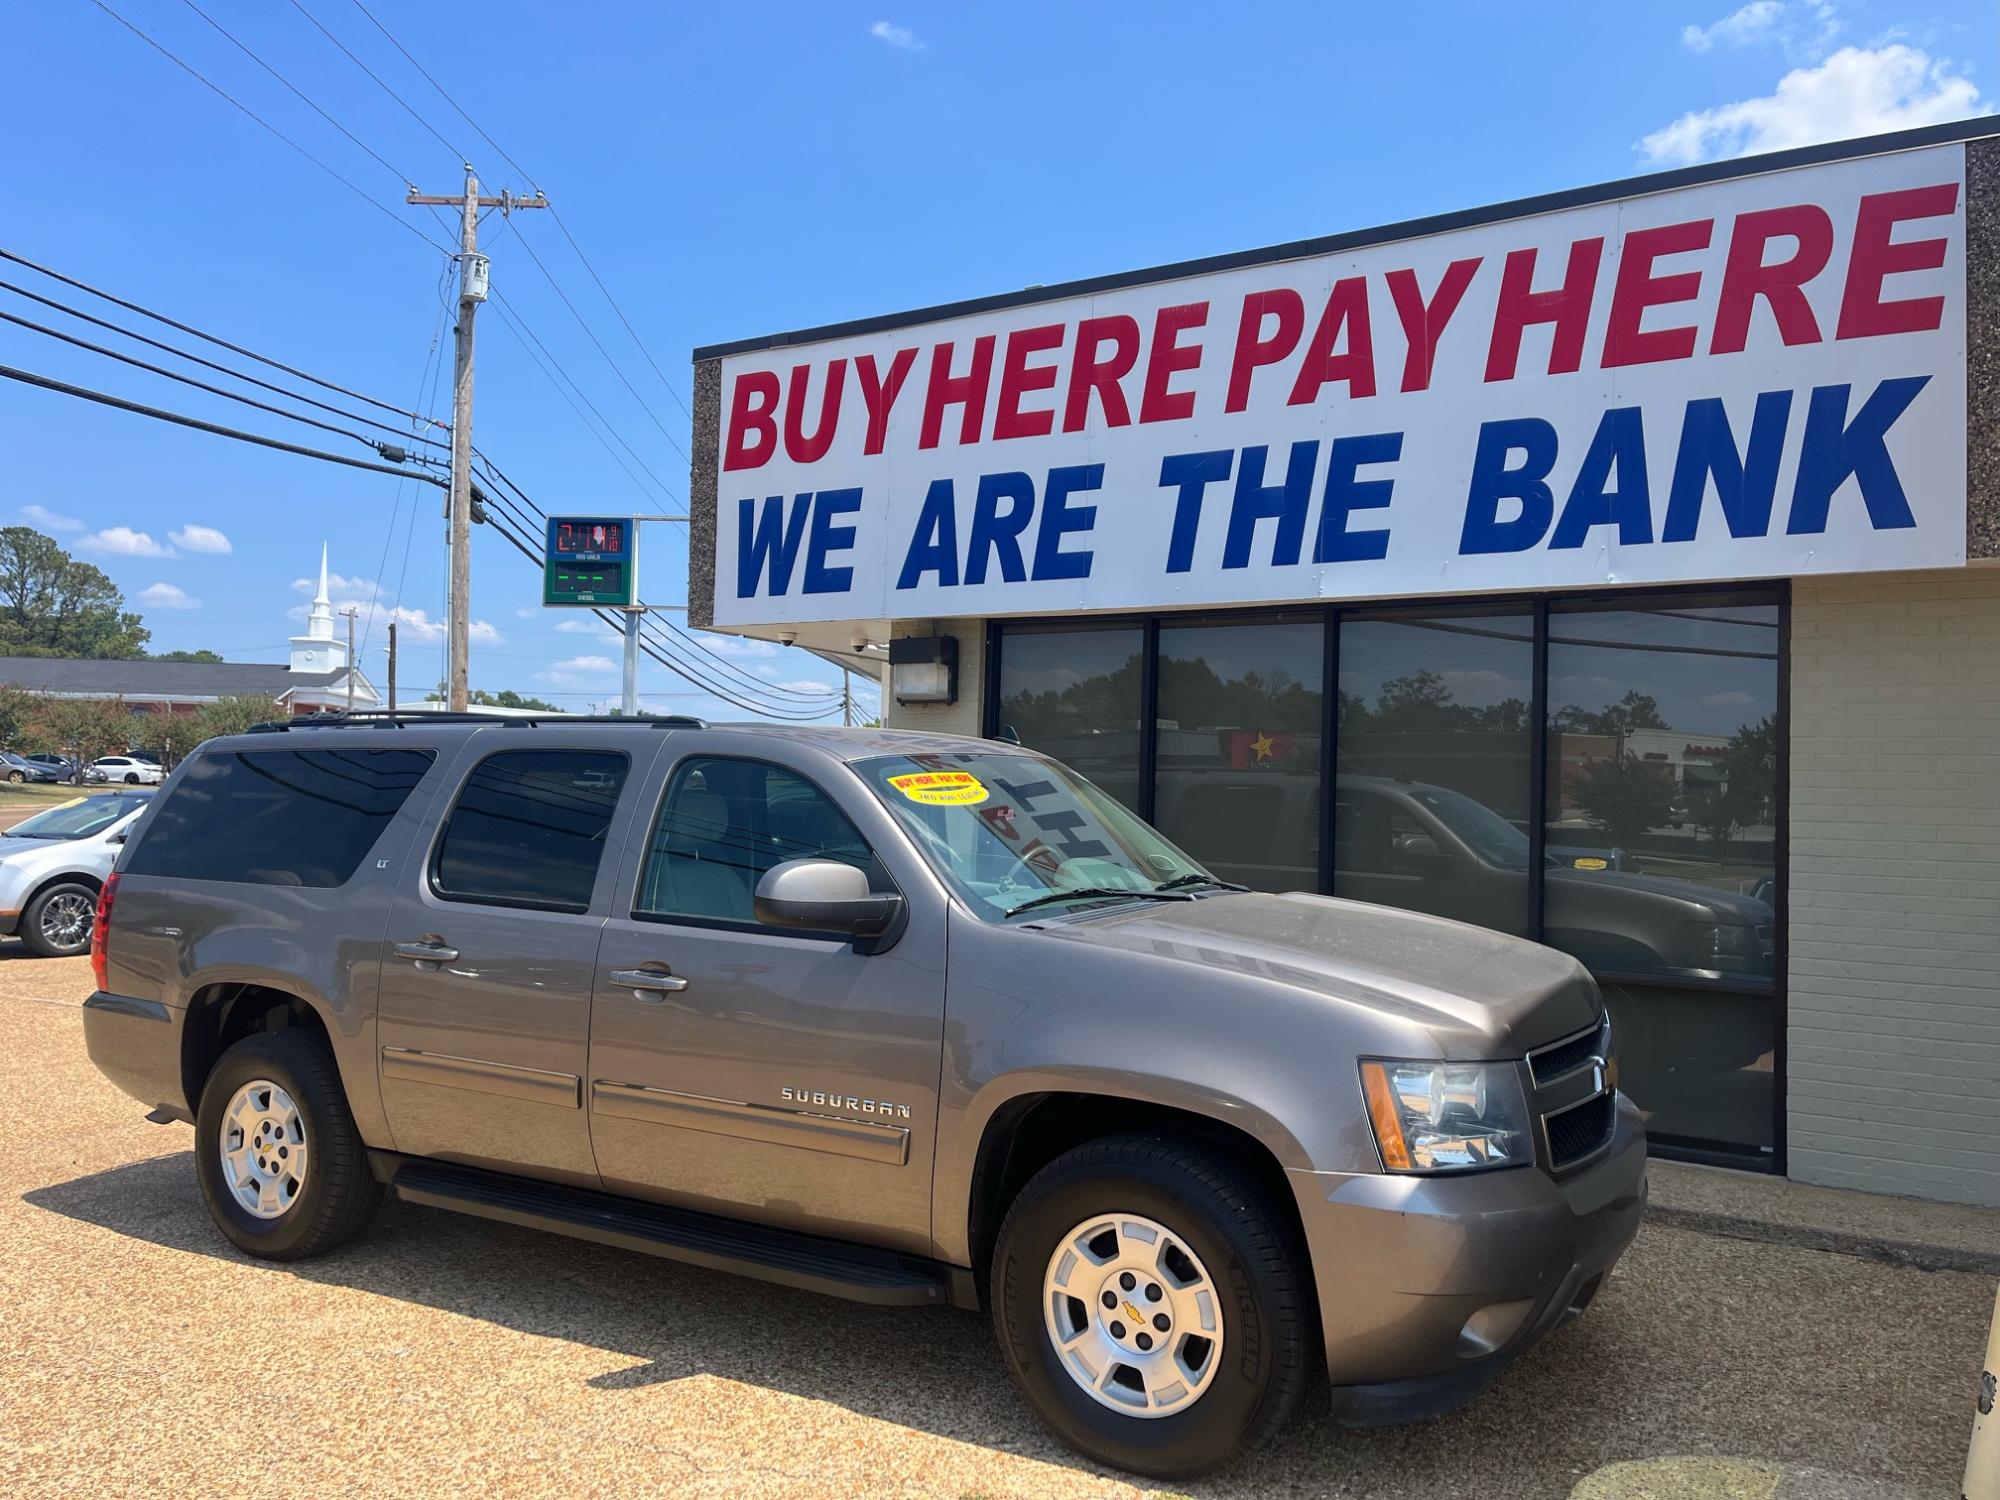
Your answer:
<point x="444" y="1355"/>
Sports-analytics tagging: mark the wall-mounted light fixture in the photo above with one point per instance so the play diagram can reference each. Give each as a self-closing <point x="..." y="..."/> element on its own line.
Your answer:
<point x="924" y="669"/>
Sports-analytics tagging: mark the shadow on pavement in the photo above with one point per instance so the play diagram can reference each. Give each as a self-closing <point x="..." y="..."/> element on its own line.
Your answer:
<point x="1581" y="1399"/>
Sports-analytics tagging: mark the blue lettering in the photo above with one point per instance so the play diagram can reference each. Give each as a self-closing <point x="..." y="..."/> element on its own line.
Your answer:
<point x="1493" y="481"/>
<point x="769" y="540"/>
<point x="1059" y="520"/>
<point x="1193" y="473"/>
<point x="994" y="534"/>
<point x="1834" y="451"/>
<point x="1744" y="483"/>
<point x="1620" y="443"/>
<point x="1345" y="494"/>
<point x="819" y="578"/>
<point x="1257" y="501"/>
<point x="934" y="547"/>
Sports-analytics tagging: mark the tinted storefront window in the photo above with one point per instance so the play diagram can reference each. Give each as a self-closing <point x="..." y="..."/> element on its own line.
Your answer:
<point x="1662" y="836"/>
<point x="1238" y="749"/>
<point x="1075" y="694"/>
<point x="1432" y="779"/>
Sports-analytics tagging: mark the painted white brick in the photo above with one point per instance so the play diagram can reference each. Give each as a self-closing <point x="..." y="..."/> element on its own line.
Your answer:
<point x="1893" y="1046"/>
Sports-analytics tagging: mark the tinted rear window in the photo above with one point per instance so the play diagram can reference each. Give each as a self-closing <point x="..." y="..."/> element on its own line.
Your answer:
<point x="529" y="829"/>
<point x="277" y="817"/>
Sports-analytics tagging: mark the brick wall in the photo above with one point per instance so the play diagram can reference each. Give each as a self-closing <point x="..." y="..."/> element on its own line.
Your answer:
<point x="1895" y="884"/>
<point x="961" y="717"/>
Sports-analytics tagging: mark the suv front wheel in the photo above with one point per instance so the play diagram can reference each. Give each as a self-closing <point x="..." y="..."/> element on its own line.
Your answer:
<point x="1148" y="1301"/>
<point x="281" y="1164"/>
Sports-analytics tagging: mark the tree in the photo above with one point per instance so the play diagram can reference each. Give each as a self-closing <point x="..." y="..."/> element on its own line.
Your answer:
<point x="230" y="715"/>
<point x="1636" y="710"/>
<point x="53" y="605"/>
<point x="18" y="711"/>
<point x="87" y="727"/>
<point x="1748" y="775"/>
<point x="201" y="656"/>
<point x="508" y="698"/>
<point x="1623" y="795"/>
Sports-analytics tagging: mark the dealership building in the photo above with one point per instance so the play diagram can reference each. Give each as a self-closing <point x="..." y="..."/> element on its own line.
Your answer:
<point x="1619" y="568"/>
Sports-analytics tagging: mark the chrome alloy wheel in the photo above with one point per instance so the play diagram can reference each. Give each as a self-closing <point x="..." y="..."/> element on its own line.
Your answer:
<point x="65" y="920"/>
<point x="263" y="1149"/>
<point x="1135" y="1319"/>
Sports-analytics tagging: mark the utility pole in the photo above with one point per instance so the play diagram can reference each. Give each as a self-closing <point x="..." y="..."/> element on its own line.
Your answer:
<point x="392" y="666"/>
<point x="472" y="282"/>
<point x="846" y="697"/>
<point x="353" y="666"/>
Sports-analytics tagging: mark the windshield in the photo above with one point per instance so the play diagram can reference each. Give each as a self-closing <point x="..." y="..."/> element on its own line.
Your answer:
<point x="1490" y="836"/>
<point x="77" y="819"/>
<point x="1004" y="830"/>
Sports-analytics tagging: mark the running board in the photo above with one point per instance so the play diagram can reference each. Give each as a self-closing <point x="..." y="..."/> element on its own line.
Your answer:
<point x="859" y="1273"/>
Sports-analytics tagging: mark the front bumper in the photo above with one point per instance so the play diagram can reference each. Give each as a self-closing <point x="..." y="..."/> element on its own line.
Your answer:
<point x="1430" y="1286"/>
<point x="137" y="1045"/>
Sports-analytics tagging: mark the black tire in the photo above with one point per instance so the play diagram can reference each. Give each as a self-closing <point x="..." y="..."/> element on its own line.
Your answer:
<point x="131" y="778"/>
<point x="1249" y="1249"/>
<point x="17" y="776"/>
<point x="338" y="1194"/>
<point x="31" y="920"/>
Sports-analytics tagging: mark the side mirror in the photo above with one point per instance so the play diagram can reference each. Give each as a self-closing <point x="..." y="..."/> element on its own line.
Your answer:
<point x="1418" y="854"/>
<point x="824" y="895"/>
<point x="118" y="837"/>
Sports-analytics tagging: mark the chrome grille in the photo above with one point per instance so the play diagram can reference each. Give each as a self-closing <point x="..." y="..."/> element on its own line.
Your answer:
<point x="1580" y="1130"/>
<point x="1567" y="1056"/>
<point x="1574" y="1096"/>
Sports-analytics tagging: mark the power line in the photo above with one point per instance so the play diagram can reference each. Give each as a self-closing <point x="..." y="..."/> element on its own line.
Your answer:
<point x="221" y="343"/>
<point x="28" y="377"/>
<point x="525" y="175"/>
<point x="301" y="93"/>
<point x="372" y="74"/>
<point x="223" y="93"/>
<point x="636" y="341"/>
<point x="209" y="364"/>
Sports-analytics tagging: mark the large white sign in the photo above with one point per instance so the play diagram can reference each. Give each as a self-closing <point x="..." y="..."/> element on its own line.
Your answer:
<point x="1759" y="377"/>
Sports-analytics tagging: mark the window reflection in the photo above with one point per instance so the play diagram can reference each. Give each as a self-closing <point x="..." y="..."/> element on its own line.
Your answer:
<point x="1239" y="749"/>
<point x="1075" y="694"/>
<point x="1432" y="780"/>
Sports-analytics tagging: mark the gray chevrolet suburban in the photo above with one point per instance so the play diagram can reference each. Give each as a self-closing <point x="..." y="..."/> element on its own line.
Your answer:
<point x="899" y="1017"/>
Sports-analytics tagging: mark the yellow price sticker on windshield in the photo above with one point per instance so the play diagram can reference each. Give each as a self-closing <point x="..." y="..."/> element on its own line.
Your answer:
<point x="1592" y="863"/>
<point x="941" y="788"/>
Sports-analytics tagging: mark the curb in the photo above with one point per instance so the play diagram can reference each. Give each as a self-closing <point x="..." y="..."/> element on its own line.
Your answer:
<point x="1910" y="1253"/>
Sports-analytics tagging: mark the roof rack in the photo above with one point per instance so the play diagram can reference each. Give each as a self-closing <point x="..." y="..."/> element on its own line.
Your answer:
<point x="386" y="718"/>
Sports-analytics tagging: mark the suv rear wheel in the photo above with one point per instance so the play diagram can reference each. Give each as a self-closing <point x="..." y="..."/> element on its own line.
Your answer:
<point x="1147" y="1301"/>
<point x="281" y="1164"/>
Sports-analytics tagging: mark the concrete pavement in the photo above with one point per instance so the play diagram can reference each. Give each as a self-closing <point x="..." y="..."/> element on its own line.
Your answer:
<point x="444" y="1355"/>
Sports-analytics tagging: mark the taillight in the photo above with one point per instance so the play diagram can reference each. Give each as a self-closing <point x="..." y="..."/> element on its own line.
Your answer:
<point x="100" y="931"/>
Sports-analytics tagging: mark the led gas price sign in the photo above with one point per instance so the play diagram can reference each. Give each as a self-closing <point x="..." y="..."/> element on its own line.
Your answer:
<point x="590" y="560"/>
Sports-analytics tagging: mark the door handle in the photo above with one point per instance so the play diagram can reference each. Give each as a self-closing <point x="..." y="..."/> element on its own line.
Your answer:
<point x="426" y="952"/>
<point x="650" y="985"/>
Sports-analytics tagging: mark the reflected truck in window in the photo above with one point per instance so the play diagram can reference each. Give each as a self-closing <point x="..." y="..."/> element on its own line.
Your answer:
<point x="906" y="1018"/>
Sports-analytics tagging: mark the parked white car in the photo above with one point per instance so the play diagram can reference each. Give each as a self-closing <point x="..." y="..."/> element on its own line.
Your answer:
<point x="53" y="865"/>
<point x="127" y="769"/>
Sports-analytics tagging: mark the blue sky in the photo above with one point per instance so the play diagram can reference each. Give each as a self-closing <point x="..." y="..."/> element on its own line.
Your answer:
<point x="739" y="169"/>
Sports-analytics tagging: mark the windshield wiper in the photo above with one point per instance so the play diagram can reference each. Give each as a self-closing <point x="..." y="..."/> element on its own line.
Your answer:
<point x="1088" y="892"/>
<point x="1199" y="877"/>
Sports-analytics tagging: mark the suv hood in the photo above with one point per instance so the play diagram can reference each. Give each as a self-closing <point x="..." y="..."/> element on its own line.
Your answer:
<point x="1427" y="970"/>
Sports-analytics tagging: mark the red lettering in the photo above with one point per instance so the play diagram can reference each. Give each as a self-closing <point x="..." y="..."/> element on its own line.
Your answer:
<point x="1745" y="276"/>
<point x="1169" y="357"/>
<point x="1018" y="377"/>
<point x="967" y="390"/>
<point x="878" y="395"/>
<point x="799" y="448"/>
<point x="753" y="430"/>
<point x="1253" y="349"/>
<point x="1637" y="288"/>
<point x="1087" y="372"/>
<point x="1566" y="306"/>
<point x="1863" y="313"/>
<point x="1346" y="309"/>
<point x="1423" y="324"/>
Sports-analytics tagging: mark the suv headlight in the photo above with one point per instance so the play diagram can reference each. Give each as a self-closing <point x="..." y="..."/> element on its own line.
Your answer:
<point x="1447" y="1116"/>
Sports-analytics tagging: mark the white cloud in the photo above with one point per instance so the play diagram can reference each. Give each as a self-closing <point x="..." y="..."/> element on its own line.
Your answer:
<point x="1856" y="91"/>
<point x="737" y="645"/>
<point x="416" y="626"/>
<point x="900" y="37"/>
<point x="572" y="625"/>
<point x="336" y="585"/>
<point x="48" y="520"/>
<point x="126" y="542"/>
<point x="193" y="538"/>
<point x="1752" y="23"/>
<point x="166" y="596"/>
<point x="574" y="668"/>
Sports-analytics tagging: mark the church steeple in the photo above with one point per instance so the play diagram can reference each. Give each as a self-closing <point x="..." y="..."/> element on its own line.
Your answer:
<point x="319" y="624"/>
<point x="319" y="649"/>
